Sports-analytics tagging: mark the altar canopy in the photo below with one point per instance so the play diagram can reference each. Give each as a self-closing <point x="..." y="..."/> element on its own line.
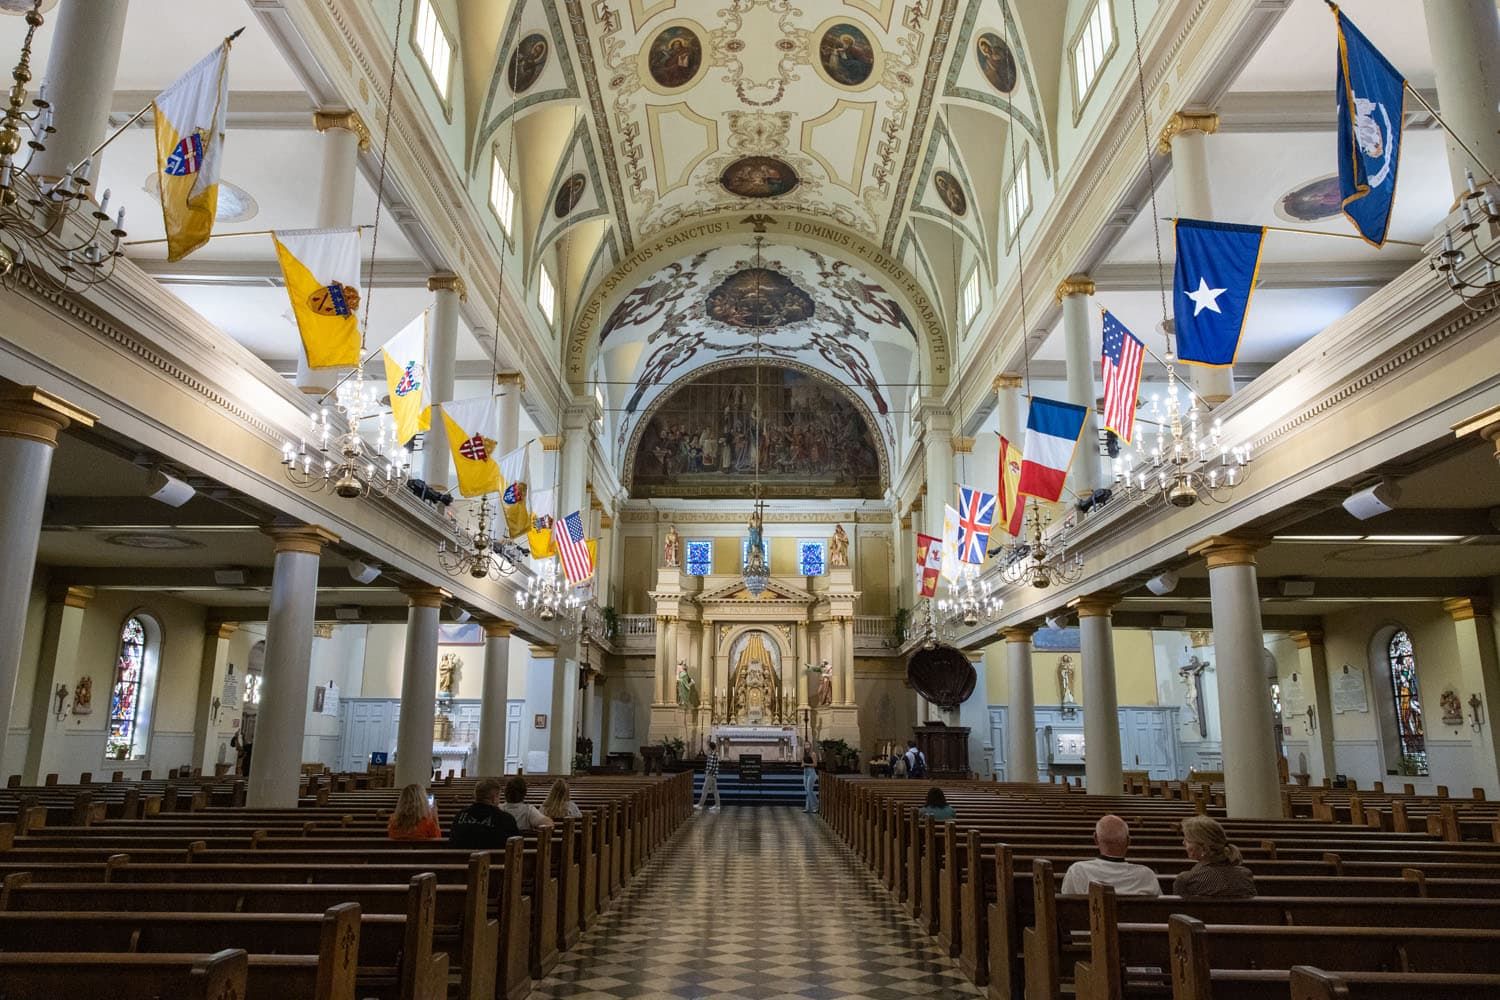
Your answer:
<point x="756" y="692"/>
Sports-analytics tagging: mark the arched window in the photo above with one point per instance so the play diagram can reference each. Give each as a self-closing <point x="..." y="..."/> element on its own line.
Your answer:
<point x="1410" y="732"/>
<point x="131" y="695"/>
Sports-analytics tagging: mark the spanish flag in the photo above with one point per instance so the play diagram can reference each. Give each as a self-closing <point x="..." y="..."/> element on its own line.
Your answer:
<point x="405" y="357"/>
<point x="1012" y="504"/>
<point x="539" y="533"/>
<point x="471" y="425"/>
<point x="189" y="145"/>
<point x="321" y="268"/>
<point x="515" y="471"/>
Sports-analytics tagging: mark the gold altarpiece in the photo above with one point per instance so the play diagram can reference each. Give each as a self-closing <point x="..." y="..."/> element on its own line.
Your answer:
<point x="749" y="659"/>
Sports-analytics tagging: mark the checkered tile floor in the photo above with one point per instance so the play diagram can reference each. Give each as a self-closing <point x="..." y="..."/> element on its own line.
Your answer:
<point x="754" y="903"/>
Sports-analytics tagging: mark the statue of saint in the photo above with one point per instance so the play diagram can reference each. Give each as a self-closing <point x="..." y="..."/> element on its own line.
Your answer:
<point x="450" y="669"/>
<point x="757" y="538"/>
<point x="83" y="696"/>
<point x="838" y="548"/>
<point x="671" y="549"/>
<point x="1065" y="678"/>
<point x="825" y="685"/>
<point x="687" y="690"/>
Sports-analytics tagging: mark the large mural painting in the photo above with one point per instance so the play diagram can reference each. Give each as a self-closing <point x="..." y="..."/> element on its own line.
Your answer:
<point x="708" y="436"/>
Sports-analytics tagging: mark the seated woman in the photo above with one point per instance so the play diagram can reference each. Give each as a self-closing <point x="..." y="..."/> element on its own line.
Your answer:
<point x="559" y="803"/>
<point x="937" y="805"/>
<point x="414" y="818"/>
<point x="1219" y="873"/>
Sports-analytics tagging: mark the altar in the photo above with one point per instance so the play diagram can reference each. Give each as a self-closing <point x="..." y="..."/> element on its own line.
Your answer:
<point x="771" y="742"/>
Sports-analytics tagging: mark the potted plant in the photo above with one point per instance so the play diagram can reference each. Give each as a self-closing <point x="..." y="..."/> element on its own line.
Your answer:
<point x="838" y="756"/>
<point x="611" y="622"/>
<point x="672" y="748"/>
<point x="901" y="621"/>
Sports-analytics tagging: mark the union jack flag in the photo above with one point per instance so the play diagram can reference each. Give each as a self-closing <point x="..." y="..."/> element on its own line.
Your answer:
<point x="408" y="382"/>
<point x="567" y="534"/>
<point x="976" y="516"/>
<point x="474" y="449"/>
<point x="186" y="157"/>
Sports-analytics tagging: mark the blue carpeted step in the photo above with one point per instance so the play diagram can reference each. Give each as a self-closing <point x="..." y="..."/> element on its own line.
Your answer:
<point x="772" y="789"/>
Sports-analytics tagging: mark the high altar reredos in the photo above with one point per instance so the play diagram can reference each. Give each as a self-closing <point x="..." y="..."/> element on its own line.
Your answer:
<point x="755" y="662"/>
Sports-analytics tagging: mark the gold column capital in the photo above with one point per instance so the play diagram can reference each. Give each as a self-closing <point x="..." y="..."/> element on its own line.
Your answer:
<point x="905" y="522"/>
<point x="70" y="597"/>
<point x="551" y="442"/>
<point x="349" y="121"/>
<point x="33" y="413"/>
<point x="449" y="283"/>
<point x="1462" y="609"/>
<point x="1228" y="550"/>
<point x="498" y="628"/>
<point x="1074" y="284"/>
<point x="423" y="596"/>
<point x="1200" y="637"/>
<point x="1006" y="380"/>
<point x="963" y="445"/>
<point x="1095" y="605"/>
<point x="1206" y="122"/>
<point x="1018" y="633"/>
<point x="322" y="630"/>
<point x="542" y="650"/>
<point x="511" y="378"/>
<point x="606" y="522"/>
<point x="1308" y="638"/>
<point x="216" y="629"/>
<point x="309" y="539"/>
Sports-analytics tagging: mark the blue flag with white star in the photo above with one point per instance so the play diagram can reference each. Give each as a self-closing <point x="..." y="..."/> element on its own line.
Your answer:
<point x="1216" y="267"/>
<point x="1370" y="92"/>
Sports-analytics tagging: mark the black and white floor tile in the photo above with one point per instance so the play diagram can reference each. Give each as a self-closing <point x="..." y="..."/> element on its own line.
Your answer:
<point x="759" y="903"/>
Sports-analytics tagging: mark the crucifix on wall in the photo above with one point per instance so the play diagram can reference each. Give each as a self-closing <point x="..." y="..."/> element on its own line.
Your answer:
<point x="1192" y="675"/>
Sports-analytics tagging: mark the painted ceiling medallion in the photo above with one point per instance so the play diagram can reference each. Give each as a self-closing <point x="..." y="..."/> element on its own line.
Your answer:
<point x="152" y="540"/>
<point x="846" y="54"/>
<point x="996" y="62"/>
<point x="1312" y="201"/>
<point x="568" y="195"/>
<point x="759" y="177"/>
<point x="527" y="63"/>
<point x="951" y="191"/>
<point x="758" y="298"/>
<point x="675" y="57"/>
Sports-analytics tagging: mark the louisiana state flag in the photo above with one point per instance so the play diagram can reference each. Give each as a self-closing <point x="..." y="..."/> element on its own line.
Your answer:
<point x="539" y="532"/>
<point x="189" y="146"/>
<point x="515" y="472"/>
<point x="405" y="357"/>
<point x="1370" y="101"/>
<point x="321" y="268"/>
<point x="471" y="426"/>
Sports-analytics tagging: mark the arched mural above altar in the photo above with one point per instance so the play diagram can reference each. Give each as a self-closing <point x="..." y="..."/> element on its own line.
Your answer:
<point x="713" y="435"/>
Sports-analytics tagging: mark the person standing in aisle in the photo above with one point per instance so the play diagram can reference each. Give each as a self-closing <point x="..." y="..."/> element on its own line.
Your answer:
<point x="710" y="778"/>
<point x="809" y="782"/>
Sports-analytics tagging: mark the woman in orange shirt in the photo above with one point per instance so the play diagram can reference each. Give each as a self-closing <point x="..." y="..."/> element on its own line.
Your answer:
<point x="414" y="818"/>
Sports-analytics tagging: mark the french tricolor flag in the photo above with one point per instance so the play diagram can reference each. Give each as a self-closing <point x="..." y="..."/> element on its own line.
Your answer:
<point x="1052" y="432"/>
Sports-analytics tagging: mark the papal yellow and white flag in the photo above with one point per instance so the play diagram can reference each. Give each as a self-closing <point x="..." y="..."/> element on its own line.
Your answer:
<point x="321" y="268"/>
<point x="472" y="429"/>
<point x="189" y="148"/>
<point x="539" y="533"/>
<point x="951" y="567"/>
<point x="515" y="471"/>
<point x="405" y="357"/>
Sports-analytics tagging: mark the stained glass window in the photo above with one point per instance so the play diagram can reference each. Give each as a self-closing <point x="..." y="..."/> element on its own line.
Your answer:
<point x="1410" y="730"/>
<point x="125" y="696"/>
<point x="700" y="556"/>
<point x="812" y="557"/>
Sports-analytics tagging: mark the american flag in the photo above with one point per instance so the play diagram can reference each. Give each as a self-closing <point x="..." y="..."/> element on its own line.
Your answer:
<point x="1123" y="355"/>
<point x="572" y="549"/>
<point x="976" y="517"/>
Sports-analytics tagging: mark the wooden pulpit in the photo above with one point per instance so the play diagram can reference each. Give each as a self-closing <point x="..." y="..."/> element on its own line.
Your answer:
<point x="946" y="749"/>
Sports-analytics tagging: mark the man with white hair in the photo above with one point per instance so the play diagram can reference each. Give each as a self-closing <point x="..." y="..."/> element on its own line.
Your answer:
<point x="1112" y="837"/>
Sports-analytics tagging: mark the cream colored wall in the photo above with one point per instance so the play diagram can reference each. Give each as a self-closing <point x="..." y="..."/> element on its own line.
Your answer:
<point x="1347" y="638"/>
<point x="385" y="652"/>
<point x="1135" y="672"/>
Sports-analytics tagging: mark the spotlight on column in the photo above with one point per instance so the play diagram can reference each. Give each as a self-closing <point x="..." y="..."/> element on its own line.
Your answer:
<point x="168" y="489"/>
<point x="461" y="614"/>
<point x="1163" y="583"/>
<point x="229" y="577"/>
<point x="1173" y="621"/>
<point x="1373" y="500"/>
<point x="363" y="572"/>
<point x="346" y="613"/>
<point x="1058" y="620"/>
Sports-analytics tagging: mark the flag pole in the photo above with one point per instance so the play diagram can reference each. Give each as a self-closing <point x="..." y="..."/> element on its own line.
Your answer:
<point x="1319" y="232"/>
<point x="1446" y="128"/>
<point x="230" y="236"/>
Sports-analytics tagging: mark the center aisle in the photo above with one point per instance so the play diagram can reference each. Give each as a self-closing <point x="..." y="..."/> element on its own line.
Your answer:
<point x="756" y="903"/>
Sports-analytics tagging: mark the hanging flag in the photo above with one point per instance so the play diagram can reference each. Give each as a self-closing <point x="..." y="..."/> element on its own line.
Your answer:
<point x="539" y="532"/>
<point x="1216" y="267"/>
<point x="1370" y="94"/>
<point x="950" y="561"/>
<point x="515" y="471"/>
<point x="572" y="547"/>
<point x="1121" y="366"/>
<point x="1052" y="432"/>
<point x="189" y="146"/>
<point x="929" y="564"/>
<point x="471" y="430"/>
<point x="1012" y="505"/>
<point x="405" y="357"/>
<point x="976" y="518"/>
<point x="321" y="269"/>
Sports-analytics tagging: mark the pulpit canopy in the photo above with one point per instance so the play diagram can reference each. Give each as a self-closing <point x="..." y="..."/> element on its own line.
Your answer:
<point x="943" y="675"/>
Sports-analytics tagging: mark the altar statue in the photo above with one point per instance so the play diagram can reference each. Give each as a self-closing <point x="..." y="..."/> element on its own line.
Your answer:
<point x="754" y="689"/>
<point x="1065" y="678"/>
<point x="754" y="696"/>
<point x="671" y="550"/>
<point x="838" y="548"/>
<point x="687" y="690"/>
<point x="756" y="538"/>
<point x="825" y="685"/>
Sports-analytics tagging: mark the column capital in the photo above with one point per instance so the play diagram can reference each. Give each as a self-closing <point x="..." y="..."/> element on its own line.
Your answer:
<point x="906" y="522"/>
<point x="322" y="630"/>
<point x="1486" y="424"/>
<point x="349" y="121"/>
<point x="1462" y="609"/>
<point x="551" y="442"/>
<point x="1308" y="638"/>
<point x="1206" y="122"/>
<point x="1074" y="284"/>
<point x="1227" y="550"/>
<point x="542" y="651"/>
<point x="449" y="283"/>
<point x="423" y="596"/>
<point x="962" y="445"/>
<point x="581" y="414"/>
<point x="1018" y="633"/>
<point x="1006" y="380"/>
<point x="1095" y="605"/>
<point x="606" y="522"/>
<point x="309" y="539"/>
<point x="70" y="597"/>
<point x="216" y="629"/>
<point x="932" y="414"/>
<point x="33" y="413"/>
<point x="511" y="378"/>
<point x="1200" y="637"/>
<point x="498" y="628"/>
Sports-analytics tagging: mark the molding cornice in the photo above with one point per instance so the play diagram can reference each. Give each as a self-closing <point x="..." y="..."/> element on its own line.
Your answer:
<point x="1182" y="122"/>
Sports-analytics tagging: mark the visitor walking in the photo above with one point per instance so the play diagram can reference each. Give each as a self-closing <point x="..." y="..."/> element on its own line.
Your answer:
<point x="710" y="778"/>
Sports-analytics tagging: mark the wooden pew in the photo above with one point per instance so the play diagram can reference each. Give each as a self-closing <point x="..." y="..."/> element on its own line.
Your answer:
<point x="49" y="975"/>
<point x="1309" y="983"/>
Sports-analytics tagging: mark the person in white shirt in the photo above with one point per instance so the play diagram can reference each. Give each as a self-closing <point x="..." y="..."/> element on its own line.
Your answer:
<point x="1112" y="837"/>
<point x="526" y="815"/>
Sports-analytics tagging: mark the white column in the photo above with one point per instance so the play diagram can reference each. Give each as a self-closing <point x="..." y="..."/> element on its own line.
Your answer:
<point x="493" y="702"/>
<point x="344" y="136"/>
<point x="281" y="723"/>
<point x="510" y="385"/>
<point x="577" y="435"/>
<point x="1312" y="663"/>
<point x="211" y="670"/>
<point x="30" y="420"/>
<point x="804" y="661"/>
<point x="1074" y="294"/>
<point x="1009" y="399"/>
<point x="1464" y="36"/>
<point x="62" y="637"/>
<point x="1252" y="784"/>
<point x="1479" y="673"/>
<point x="1101" y="704"/>
<point x="846" y="640"/>
<point x="1185" y="138"/>
<point x="442" y="344"/>
<point x="1020" y="717"/>
<point x="833" y="638"/>
<point x="541" y="680"/>
<point x="418" y="686"/>
<point x="937" y="450"/>
<point x="564" y="716"/>
<point x="82" y="63"/>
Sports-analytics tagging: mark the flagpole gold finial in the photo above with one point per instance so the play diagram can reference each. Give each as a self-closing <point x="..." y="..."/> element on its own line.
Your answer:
<point x="1206" y="122"/>
<point x="349" y="121"/>
<point x="1076" y="284"/>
